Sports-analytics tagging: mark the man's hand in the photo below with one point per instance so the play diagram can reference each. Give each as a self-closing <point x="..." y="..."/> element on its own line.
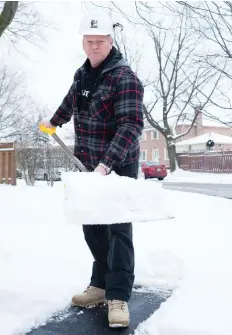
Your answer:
<point x="46" y="123"/>
<point x="100" y="169"/>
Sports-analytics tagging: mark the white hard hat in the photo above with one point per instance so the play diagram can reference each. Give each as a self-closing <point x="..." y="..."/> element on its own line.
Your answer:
<point x="100" y="24"/>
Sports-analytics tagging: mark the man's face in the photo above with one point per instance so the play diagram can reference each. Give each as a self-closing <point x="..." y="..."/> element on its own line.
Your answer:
<point x="97" y="48"/>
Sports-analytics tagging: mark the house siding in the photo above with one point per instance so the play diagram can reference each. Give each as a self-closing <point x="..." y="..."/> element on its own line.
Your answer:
<point x="149" y="144"/>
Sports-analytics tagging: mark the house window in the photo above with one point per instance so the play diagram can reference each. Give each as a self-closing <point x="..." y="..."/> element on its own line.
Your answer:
<point x="155" y="155"/>
<point x="143" y="155"/>
<point x="166" y="158"/>
<point x="143" y="137"/>
<point x="154" y="135"/>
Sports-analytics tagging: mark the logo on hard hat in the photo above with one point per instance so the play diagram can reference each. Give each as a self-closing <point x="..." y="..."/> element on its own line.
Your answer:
<point x="93" y="24"/>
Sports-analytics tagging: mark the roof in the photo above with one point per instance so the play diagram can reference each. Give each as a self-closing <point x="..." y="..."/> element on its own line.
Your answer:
<point x="206" y="122"/>
<point x="5" y="140"/>
<point x="203" y="139"/>
<point x="212" y="123"/>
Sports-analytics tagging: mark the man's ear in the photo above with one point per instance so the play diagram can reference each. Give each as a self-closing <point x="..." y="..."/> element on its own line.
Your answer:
<point x="111" y="41"/>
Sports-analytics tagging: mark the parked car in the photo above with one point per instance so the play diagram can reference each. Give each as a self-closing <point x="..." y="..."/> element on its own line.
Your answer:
<point x="42" y="174"/>
<point x="154" y="170"/>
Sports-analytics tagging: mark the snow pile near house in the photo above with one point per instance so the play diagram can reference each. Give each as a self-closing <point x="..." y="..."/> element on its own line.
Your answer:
<point x="198" y="177"/>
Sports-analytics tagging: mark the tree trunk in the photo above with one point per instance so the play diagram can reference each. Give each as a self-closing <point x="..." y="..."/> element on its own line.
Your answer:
<point x="172" y="156"/>
<point x="7" y="15"/>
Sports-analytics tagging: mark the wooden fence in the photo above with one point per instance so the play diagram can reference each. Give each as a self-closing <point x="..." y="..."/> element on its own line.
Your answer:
<point x="7" y="163"/>
<point x="215" y="162"/>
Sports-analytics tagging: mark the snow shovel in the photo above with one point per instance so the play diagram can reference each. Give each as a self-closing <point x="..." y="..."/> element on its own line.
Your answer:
<point x="52" y="132"/>
<point x="91" y="198"/>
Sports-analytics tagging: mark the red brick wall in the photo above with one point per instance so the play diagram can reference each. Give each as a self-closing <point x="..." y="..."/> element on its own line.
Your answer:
<point x="151" y="145"/>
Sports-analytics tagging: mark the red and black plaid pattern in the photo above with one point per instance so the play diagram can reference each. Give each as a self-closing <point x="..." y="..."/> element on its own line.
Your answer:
<point x="108" y="130"/>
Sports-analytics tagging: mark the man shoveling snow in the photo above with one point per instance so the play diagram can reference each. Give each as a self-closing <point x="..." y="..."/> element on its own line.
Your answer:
<point x="106" y="100"/>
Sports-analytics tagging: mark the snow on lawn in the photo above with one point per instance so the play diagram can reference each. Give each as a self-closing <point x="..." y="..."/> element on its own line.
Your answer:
<point x="198" y="177"/>
<point x="44" y="261"/>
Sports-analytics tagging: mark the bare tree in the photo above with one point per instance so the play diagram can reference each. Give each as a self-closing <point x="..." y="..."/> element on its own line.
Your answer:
<point x="181" y="85"/>
<point x="17" y="20"/>
<point x="11" y="99"/>
<point x="30" y="146"/>
<point x="37" y="156"/>
<point x="61" y="159"/>
<point x="212" y="22"/>
<point x="28" y="155"/>
<point x="27" y="160"/>
<point x="21" y="20"/>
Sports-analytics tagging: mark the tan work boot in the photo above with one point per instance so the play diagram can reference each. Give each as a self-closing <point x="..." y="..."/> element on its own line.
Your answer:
<point x="118" y="314"/>
<point x="91" y="297"/>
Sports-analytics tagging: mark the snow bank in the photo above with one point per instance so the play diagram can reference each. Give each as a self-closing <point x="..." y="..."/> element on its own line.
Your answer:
<point x="201" y="239"/>
<point x="198" y="177"/>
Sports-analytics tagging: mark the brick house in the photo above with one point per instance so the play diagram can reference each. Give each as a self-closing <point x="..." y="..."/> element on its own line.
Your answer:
<point x="153" y="144"/>
<point x="202" y="126"/>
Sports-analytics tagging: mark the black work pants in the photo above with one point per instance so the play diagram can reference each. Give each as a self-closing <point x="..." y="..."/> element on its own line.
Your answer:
<point x="113" y="252"/>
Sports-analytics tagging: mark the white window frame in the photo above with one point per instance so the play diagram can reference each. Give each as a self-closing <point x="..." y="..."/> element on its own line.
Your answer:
<point x="141" y="139"/>
<point x="152" y="134"/>
<point x="157" y="159"/>
<point x="166" y="158"/>
<point x="143" y="151"/>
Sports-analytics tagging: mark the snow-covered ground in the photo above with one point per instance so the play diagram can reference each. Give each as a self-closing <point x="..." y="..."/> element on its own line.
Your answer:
<point x="44" y="261"/>
<point x="199" y="177"/>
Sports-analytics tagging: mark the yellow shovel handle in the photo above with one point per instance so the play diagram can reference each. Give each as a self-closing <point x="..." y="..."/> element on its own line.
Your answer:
<point x="47" y="130"/>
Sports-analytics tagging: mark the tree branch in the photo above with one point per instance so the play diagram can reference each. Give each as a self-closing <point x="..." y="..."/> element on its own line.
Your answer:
<point x="7" y="15"/>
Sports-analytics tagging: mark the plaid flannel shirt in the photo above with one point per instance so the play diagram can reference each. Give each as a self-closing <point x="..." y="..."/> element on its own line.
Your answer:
<point x="108" y="132"/>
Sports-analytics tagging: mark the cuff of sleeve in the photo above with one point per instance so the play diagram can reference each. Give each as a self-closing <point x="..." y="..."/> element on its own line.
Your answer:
<point x="54" y="123"/>
<point x="107" y="164"/>
<point x="108" y="170"/>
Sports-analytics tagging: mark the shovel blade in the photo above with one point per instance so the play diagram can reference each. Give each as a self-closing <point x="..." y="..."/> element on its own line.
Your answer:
<point x="94" y="199"/>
